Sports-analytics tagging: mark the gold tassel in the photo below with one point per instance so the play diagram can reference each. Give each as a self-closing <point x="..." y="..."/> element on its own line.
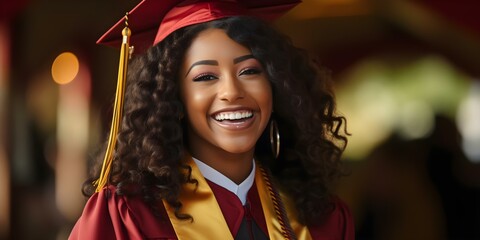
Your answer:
<point x="117" y="108"/>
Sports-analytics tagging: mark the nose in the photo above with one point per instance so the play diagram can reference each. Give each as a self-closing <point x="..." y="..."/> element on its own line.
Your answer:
<point x="231" y="89"/>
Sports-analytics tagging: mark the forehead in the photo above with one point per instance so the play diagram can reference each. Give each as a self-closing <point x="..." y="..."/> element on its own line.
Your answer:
<point x="214" y="44"/>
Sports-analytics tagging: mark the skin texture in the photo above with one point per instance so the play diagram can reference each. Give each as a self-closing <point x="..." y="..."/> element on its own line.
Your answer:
<point x="213" y="82"/>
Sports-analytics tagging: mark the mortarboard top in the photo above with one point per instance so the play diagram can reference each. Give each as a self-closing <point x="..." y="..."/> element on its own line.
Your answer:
<point x="152" y="20"/>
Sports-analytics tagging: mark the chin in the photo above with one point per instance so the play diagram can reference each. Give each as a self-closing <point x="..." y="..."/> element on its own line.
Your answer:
<point x="237" y="148"/>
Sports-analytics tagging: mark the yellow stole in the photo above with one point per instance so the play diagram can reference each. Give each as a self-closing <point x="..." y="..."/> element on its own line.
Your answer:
<point x="209" y="223"/>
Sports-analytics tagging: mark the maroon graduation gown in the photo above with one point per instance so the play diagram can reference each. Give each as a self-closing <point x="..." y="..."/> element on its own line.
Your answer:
<point x="110" y="216"/>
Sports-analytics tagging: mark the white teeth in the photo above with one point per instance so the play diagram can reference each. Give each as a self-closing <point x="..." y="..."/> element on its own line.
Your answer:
<point x="233" y="115"/>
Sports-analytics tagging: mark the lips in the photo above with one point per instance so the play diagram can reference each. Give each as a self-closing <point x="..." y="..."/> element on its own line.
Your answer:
<point x="234" y="119"/>
<point x="233" y="115"/>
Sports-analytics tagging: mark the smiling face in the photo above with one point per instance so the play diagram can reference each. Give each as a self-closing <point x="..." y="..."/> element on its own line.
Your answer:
<point x="227" y="96"/>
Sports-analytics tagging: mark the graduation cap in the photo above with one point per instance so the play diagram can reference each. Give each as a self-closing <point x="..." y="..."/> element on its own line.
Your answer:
<point x="152" y="20"/>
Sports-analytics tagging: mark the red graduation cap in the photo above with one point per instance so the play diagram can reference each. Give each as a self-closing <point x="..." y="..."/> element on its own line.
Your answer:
<point x="152" y="20"/>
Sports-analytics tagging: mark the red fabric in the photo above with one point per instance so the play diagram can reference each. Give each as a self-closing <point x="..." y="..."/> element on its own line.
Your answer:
<point x="182" y="16"/>
<point x="339" y="225"/>
<point x="256" y="208"/>
<point x="109" y="216"/>
<point x="152" y="20"/>
<point x="233" y="210"/>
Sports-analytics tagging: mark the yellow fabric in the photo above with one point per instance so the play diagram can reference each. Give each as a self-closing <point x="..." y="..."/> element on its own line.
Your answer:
<point x="201" y="204"/>
<point x="273" y="225"/>
<point x="209" y="222"/>
<point x="301" y="231"/>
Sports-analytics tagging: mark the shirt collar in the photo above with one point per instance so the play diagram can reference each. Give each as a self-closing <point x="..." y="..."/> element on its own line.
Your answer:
<point x="218" y="178"/>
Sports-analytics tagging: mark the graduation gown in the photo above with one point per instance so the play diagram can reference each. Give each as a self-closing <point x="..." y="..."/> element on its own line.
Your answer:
<point x="110" y="216"/>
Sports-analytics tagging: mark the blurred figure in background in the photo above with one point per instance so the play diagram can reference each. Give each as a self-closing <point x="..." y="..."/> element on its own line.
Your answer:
<point x="421" y="189"/>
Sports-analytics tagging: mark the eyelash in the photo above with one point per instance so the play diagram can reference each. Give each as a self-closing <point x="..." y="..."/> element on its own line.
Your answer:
<point x="211" y="76"/>
<point x="250" y="71"/>
<point x="204" y="76"/>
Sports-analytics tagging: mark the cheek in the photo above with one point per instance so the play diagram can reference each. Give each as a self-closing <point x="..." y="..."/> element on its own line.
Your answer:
<point x="197" y="104"/>
<point x="263" y="95"/>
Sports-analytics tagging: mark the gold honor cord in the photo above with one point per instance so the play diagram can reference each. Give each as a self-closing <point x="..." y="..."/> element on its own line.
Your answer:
<point x="117" y="108"/>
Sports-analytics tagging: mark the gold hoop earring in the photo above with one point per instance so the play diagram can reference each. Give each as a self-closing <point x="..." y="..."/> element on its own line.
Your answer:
<point x="274" y="138"/>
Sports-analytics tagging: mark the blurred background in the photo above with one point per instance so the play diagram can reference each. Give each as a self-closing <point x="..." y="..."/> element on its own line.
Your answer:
<point x="406" y="77"/>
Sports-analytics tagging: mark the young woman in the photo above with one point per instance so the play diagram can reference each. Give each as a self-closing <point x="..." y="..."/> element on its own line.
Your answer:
<point x="229" y="132"/>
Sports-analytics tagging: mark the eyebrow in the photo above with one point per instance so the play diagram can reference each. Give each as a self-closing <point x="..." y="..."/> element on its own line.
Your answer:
<point x="215" y="63"/>
<point x="242" y="58"/>
<point x="202" y="62"/>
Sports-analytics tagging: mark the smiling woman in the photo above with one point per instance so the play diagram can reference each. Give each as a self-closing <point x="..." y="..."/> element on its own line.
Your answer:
<point x="218" y="95"/>
<point x="202" y="106"/>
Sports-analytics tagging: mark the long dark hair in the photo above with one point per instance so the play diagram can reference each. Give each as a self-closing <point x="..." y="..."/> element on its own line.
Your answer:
<point x="151" y="141"/>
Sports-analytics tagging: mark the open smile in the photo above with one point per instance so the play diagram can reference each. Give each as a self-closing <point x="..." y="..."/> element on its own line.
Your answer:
<point x="234" y="120"/>
<point x="233" y="116"/>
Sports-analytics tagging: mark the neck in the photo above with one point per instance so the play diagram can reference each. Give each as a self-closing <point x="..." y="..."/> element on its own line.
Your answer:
<point x="235" y="166"/>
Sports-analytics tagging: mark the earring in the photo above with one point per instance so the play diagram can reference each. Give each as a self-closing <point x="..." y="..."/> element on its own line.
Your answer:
<point x="274" y="138"/>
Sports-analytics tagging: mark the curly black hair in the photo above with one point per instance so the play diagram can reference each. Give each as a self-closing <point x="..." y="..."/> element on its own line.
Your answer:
<point x="151" y="142"/>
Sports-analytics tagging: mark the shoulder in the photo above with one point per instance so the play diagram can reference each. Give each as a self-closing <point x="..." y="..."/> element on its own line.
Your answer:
<point x="337" y="225"/>
<point x="108" y="215"/>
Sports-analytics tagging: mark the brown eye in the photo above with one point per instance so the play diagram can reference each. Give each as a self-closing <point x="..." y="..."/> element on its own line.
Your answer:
<point x="250" y="71"/>
<point x="204" y="77"/>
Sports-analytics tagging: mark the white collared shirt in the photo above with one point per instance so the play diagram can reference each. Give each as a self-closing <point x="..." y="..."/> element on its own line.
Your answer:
<point x="241" y="190"/>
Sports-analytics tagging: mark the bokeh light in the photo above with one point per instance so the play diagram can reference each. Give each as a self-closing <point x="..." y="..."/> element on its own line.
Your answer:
<point x="468" y="121"/>
<point x="65" y="68"/>
<point x="384" y="95"/>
